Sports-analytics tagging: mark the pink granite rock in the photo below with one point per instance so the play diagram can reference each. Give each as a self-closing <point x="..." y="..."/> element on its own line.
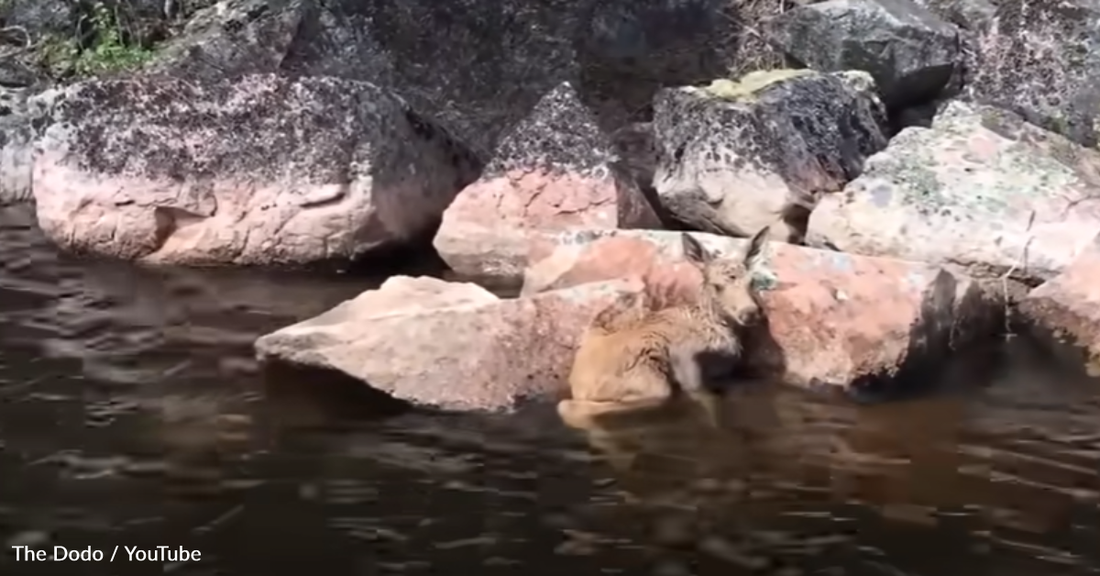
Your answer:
<point x="450" y="345"/>
<point x="1068" y="305"/>
<point x="555" y="171"/>
<point x="259" y="170"/>
<point x="834" y="318"/>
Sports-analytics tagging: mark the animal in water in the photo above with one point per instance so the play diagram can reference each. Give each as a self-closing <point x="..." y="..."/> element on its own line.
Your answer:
<point x="633" y="356"/>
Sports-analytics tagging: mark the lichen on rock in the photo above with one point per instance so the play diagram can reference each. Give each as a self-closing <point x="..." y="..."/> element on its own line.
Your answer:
<point x="732" y="166"/>
<point x="260" y="169"/>
<point x="981" y="189"/>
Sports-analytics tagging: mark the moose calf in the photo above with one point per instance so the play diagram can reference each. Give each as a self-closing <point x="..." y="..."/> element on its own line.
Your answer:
<point x="631" y="357"/>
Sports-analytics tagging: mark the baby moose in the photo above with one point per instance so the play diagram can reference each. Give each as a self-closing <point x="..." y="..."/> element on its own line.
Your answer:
<point x="631" y="358"/>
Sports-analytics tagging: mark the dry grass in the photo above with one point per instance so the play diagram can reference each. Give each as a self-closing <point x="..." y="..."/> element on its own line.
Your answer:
<point x="750" y="49"/>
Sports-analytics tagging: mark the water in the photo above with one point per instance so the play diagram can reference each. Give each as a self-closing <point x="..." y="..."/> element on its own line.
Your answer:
<point x="133" y="414"/>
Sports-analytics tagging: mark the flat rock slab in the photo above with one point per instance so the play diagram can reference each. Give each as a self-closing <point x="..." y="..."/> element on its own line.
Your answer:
<point x="835" y="319"/>
<point x="259" y="170"/>
<point x="1069" y="304"/>
<point x="556" y="170"/>
<point x="980" y="189"/>
<point x="453" y="346"/>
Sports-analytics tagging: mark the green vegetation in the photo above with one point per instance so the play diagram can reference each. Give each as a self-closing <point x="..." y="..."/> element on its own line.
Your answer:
<point x="102" y="46"/>
<point x="752" y="83"/>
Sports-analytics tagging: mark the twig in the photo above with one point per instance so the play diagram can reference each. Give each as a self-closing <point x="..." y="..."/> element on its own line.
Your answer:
<point x="1015" y="265"/>
<point x="28" y="44"/>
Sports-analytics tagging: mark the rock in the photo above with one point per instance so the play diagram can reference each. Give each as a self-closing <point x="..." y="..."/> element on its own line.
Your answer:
<point x="970" y="15"/>
<point x="910" y="52"/>
<point x="637" y="150"/>
<point x="739" y="156"/>
<point x="1042" y="60"/>
<point x="1069" y="304"/>
<point x="860" y="323"/>
<point x="980" y="189"/>
<point x="448" y="345"/>
<point x="261" y="170"/>
<point x="500" y="57"/>
<point x="556" y="170"/>
<point x="22" y="116"/>
<point x="16" y="153"/>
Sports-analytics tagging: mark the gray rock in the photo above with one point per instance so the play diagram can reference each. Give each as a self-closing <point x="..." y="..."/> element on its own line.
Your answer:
<point x="981" y="189"/>
<point x="739" y="156"/>
<point x="259" y="170"/>
<point x="1041" y="59"/>
<point x="22" y="118"/>
<point x="476" y="67"/>
<point x="910" y="52"/>
<point x="555" y="170"/>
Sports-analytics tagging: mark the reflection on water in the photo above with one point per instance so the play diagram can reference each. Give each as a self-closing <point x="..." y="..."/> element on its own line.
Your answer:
<point x="132" y="413"/>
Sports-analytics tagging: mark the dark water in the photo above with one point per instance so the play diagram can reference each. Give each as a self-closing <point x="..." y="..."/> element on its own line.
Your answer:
<point x="132" y="414"/>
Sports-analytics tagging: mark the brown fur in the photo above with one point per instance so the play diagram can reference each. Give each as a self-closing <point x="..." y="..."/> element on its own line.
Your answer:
<point x="633" y="356"/>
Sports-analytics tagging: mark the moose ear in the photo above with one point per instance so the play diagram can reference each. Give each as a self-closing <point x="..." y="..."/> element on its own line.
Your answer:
<point x="756" y="244"/>
<point x="694" y="251"/>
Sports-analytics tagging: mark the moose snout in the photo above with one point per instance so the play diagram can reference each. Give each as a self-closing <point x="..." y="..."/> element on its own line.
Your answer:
<point x="750" y="316"/>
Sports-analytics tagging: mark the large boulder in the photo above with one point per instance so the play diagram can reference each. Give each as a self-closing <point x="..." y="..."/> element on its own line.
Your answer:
<point x="555" y="170"/>
<point x="1068" y="305"/>
<point x="911" y="53"/>
<point x="736" y="156"/>
<point x="981" y="189"/>
<point x="498" y="58"/>
<point x="1041" y="59"/>
<point x="259" y="170"/>
<point x="453" y="346"/>
<point x="863" y="324"/>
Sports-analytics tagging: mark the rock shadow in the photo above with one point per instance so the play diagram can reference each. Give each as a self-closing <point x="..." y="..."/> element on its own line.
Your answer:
<point x="939" y="358"/>
<point x="316" y="398"/>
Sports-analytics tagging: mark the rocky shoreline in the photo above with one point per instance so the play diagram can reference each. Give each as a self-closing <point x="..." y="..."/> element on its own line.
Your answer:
<point x="925" y="166"/>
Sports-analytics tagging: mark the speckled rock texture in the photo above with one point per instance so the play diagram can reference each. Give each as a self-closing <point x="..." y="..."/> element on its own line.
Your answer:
<point x="733" y="165"/>
<point x="23" y="115"/>
<point x="980" y="189"/>
<point x="476" y="67"/>
<point x="1041" y="59"/>
<point x="909" y="51"/>
<point x="452" y="346"/>
<point x="556" y="170"/>
<point x="1068" y="305"/>
<point x="16" y="147"/>
<point x="864" y="324"/>
<point x="261" y="170"/>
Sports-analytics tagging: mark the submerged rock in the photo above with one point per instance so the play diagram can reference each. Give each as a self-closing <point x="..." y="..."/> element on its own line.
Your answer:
<point x="261" y="170"/>
<point x="737" y="156"/>
<point x="856" y="322"/>
<point x="981" y="189"/>
<point x="556" y="170"/>
<point x="910" y="52"/>
<point x="449" y="345"/>
<point x="1068" y="305"/>
<point x="1041" y="59"/>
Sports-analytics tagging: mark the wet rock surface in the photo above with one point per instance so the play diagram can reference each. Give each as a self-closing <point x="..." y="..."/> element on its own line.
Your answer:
<point x="858" y="323"/>
<point x="737" y="156"/>
<point x="259" y="170"/>
<point x="980" y="189"/>
<point x="1068" y="305"/>
<point x="910" y="52"/>
<point x="556" y="170"/>
<point x="447" y="345"/>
